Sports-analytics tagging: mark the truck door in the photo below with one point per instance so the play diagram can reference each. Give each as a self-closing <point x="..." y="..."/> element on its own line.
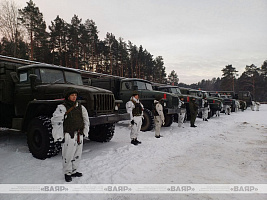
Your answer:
<point x="126" y="92"/>
<point x="23" y="93"/>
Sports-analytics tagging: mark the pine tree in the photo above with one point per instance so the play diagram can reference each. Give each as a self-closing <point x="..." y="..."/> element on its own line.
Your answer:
<point x="173" y="78"/>
<point x="58" y="40"/>
<point x="32" y="19"/>
<point x="228" y="79"/>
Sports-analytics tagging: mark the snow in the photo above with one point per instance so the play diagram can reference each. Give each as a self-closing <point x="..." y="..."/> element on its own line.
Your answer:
<point x="230" y="149"/>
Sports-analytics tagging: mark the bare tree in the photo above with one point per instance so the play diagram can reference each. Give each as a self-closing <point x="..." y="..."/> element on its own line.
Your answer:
<point x="9" y="26"/>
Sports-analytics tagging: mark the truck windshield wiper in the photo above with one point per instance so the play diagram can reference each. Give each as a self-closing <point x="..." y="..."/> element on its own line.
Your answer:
<point x="57" y="81"/>
<point x="70" y="82"/>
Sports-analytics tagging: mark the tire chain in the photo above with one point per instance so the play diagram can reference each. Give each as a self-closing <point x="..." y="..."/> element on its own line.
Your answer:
<point x="54" y="148"/>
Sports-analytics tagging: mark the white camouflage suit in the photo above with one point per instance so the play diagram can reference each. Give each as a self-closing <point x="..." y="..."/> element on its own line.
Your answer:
<point x="159" y="119"/>
<point x="71" y="150"/>
<point x="205" y="109"/>
<point x="136" y="127"/>
<point x="253" y="105"/>
<point x="257" y="106"/>
<point x="181" y="115"/>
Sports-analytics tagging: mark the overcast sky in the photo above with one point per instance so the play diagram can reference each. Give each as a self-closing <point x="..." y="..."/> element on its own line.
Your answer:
<point x="196" y="38"/>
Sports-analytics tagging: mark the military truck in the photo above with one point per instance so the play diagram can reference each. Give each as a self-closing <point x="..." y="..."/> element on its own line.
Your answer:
<point x="123" y="89"/>
<point x="229" y="98"/>
<point x="187" y="96"/>
<point x="174" y="90"/>
<point x="245" y="96"/>
<point x="216" y="104"/>
<point x="30" y="93"/>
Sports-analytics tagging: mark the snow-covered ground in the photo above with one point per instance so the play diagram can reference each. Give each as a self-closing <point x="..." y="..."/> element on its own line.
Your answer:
<point x="225" y="150"/>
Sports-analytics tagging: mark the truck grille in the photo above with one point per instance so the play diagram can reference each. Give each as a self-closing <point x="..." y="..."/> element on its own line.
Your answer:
<point x="104" y="103"/>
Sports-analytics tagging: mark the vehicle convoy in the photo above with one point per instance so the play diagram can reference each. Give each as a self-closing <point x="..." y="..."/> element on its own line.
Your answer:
<point x="123" y="89"/>
<point x="30" y="93"/>
<point x="228" y="97"/>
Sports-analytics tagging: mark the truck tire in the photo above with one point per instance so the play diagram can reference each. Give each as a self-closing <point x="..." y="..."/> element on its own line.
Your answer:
<point x="168" y="120"/>
<point x="102" y="133"/>
<point x="40" y="140"/>
<point x="148" y="121"/>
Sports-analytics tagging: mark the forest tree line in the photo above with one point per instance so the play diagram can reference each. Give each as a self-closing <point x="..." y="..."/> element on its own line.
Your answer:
<point x="77" y="45"/>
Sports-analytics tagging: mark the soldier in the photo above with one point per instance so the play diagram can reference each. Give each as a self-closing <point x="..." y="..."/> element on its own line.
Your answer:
<point x="205" y="109"/>
<point x="158" y="116"/>
<point x="257" y="106"/>
<point x="242" y="106"/>
<point x="181" y="115"/>
<point x="70" y="123"/>
<point x="227" y="109"/>
<point x="193" y="111"/>
<point x="135" y="108"/>
<point x="253" y="105"/>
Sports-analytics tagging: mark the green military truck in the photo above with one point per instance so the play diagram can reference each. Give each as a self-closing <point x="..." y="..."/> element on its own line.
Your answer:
<point x="174" y="90"/>
<point x="30" y="93"/>
<point x="245" y="96"/>
<point x="123" y="89"/>
<point x="229" y="98"/>
<point x="214" y="103"/>
<point x="187" y="96"/>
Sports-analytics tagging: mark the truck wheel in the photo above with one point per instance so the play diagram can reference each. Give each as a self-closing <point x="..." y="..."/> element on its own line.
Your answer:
<point x="168" y="120"/>
<point x="102" y="133"/>
<point x="148" y="121"/>
<point x="40" y="140"/>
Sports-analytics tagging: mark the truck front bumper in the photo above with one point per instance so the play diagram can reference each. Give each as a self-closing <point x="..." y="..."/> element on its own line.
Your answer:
<point x="108" y="119"/>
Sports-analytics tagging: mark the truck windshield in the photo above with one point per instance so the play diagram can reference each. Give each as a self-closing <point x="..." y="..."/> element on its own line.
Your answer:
<point x="74" y="78"/>
<point x="57" y="76"/>
<point x="51" y="76"/>
<point x="143" y="85"/>
<point x="175" y="91"/>
<point x="195" y="93"/>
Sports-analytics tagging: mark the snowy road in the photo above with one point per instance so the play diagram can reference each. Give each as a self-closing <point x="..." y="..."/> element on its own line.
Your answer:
<point x="225" y="150"/>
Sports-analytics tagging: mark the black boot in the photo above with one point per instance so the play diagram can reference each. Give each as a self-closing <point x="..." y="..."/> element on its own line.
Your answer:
<point x="138" y="142"/>
<point x="68" y="178"/>
<point x="193" y="126"/>
<point x="77" y="174"/>
<point x="134" y="142"/>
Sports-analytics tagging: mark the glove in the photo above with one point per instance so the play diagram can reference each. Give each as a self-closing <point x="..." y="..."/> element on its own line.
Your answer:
<point x="132" y="122"/>
<point x="163" y="123"/>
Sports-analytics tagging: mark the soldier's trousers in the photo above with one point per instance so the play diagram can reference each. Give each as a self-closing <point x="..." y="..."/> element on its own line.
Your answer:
<point x="193" y="119"/>
<point x="136" y="127"/>
<point x="71" y="153"/>
<point x="158" y="124"/>
<point x="205" y="113"/>
<point x="181" y="118"/>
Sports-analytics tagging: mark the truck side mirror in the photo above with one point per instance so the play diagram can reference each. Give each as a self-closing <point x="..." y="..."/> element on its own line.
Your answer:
<point x="87" y="81"/>
<point x="33" y="78"/>
<point x="14" y="77"/>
